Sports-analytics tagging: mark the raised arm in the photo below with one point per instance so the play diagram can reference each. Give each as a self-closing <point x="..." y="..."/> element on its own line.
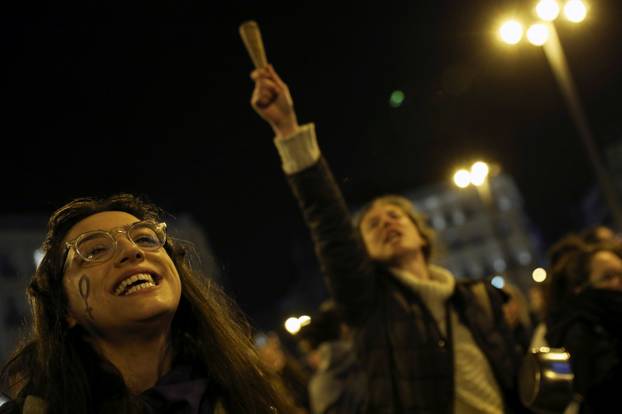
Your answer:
<point x="273" y="102"/>
<point x="349" y="271"/>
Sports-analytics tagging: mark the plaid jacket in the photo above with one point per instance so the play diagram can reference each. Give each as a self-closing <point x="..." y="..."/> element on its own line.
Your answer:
<point x="408" y="363"/>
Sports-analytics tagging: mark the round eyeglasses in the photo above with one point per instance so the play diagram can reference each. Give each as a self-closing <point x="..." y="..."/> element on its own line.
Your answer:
<point x="100" y="245"/>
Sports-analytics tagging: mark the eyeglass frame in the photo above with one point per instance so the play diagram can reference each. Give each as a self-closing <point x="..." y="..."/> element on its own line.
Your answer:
<point x="158" y="226"/>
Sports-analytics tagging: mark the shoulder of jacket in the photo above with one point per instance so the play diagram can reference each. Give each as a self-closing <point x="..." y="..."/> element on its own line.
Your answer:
<point x="488" y="298"/>
<point x="483" y="298"/>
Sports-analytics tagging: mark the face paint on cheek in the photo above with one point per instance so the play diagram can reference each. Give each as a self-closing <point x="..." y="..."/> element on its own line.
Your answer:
<point x="84" y="287"/>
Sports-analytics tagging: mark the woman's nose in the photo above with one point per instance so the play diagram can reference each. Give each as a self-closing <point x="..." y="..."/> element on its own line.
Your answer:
<point x="388" y="220"/>
<point x="128" y="251"/>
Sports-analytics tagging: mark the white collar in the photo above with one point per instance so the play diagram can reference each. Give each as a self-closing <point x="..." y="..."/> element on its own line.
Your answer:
<point x="440" y="285"/>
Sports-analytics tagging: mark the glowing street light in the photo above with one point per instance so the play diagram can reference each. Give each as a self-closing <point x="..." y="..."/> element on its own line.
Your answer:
<point x="545" y="35"/>
<point x="479" y="173"/>
<point x="462" y="178"/>
<point x="538" y="34"/>
<point x="304" y="320"/>
<point x="547" y="10"/>
<point x="511" y="32"/>
<point x="292" y="325"/>
<point x="575" y="11"/>
<point x="538" y="275"/>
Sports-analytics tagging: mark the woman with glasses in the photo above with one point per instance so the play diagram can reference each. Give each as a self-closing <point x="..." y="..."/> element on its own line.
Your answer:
<point x="584" y="315"/>
<point x="122" y="324"/>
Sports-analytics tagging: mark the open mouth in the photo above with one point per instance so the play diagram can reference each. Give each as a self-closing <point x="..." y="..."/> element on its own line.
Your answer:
<point x="136" y="282"/>
<point x="392" y="235"/>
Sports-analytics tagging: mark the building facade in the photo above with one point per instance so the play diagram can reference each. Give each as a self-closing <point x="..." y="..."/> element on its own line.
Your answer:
<point x="482" y="232"/>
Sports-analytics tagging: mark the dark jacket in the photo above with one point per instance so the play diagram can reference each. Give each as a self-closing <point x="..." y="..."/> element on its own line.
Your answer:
<point x="183" y="390"/>
<point x="408" y="362"/>
<point x="590" y="328"/>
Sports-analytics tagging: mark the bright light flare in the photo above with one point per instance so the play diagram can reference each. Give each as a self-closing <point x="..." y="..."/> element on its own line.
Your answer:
<point x="498" y="282"/>
<point x="547" y="10"/>
<point x="292" y="325"/>
<point x="511" y="32"/>
<point x="479" y="172"/>
<point x="538" y="34"/>
<point x="575" y="11"/>
<point x="538" y="275"/>
<point x="462" y="178"/>
<point x="304" y="320"/>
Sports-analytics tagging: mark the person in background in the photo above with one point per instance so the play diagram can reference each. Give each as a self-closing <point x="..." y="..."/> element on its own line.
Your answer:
<point x="290" y="377"/>
<point x="122" y="324"/>
<point x="338" y="384"/>
<point x="537" y="307"/>
<point x="599" y="234"/>
<point x="427" y="343"/>
<point x="536" y="302"/>
<point x="517" y="316"/>
<point x="584" y="310"/>
<point x="592" y="235"/>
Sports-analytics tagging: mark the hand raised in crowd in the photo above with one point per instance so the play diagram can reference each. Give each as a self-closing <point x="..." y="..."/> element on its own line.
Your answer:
<point x="272" y="101"/>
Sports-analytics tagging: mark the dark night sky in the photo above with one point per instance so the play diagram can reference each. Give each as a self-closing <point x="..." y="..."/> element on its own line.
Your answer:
<point x="153" y="99"/>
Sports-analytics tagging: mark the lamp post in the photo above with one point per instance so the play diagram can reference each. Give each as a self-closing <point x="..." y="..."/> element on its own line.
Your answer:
<point x="544" y="34"/>
<point x="479" y="176"/>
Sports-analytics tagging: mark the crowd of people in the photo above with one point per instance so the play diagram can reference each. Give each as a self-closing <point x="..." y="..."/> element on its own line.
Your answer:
<point x="121" y="323"/>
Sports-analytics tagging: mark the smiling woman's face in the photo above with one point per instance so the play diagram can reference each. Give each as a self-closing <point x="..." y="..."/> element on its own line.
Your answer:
<point x="100" y="301"/>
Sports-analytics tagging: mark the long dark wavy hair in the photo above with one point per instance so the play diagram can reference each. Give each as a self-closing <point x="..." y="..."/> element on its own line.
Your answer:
<point x="56" y="364"/>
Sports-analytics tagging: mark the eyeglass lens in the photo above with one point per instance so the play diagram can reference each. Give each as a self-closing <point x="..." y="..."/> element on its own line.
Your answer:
<point x="100" y="246"/>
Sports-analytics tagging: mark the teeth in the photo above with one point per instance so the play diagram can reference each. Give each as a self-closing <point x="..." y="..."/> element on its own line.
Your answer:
<point x="139" y="276"/>
<point x="139" y="287"/>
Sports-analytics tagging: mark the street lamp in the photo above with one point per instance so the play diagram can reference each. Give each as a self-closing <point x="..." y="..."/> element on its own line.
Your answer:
<point x="511" y="32"/>
<point x="538" y="34"/>
<point x="462" y="178"/>
<point x="575" y="11"/>
<point x="539" y="275"/>
<point x="544" y="34"/>
<point x="548" y="10"/>
<point x="294" y="324"/>
<point x="478" y="175"/>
